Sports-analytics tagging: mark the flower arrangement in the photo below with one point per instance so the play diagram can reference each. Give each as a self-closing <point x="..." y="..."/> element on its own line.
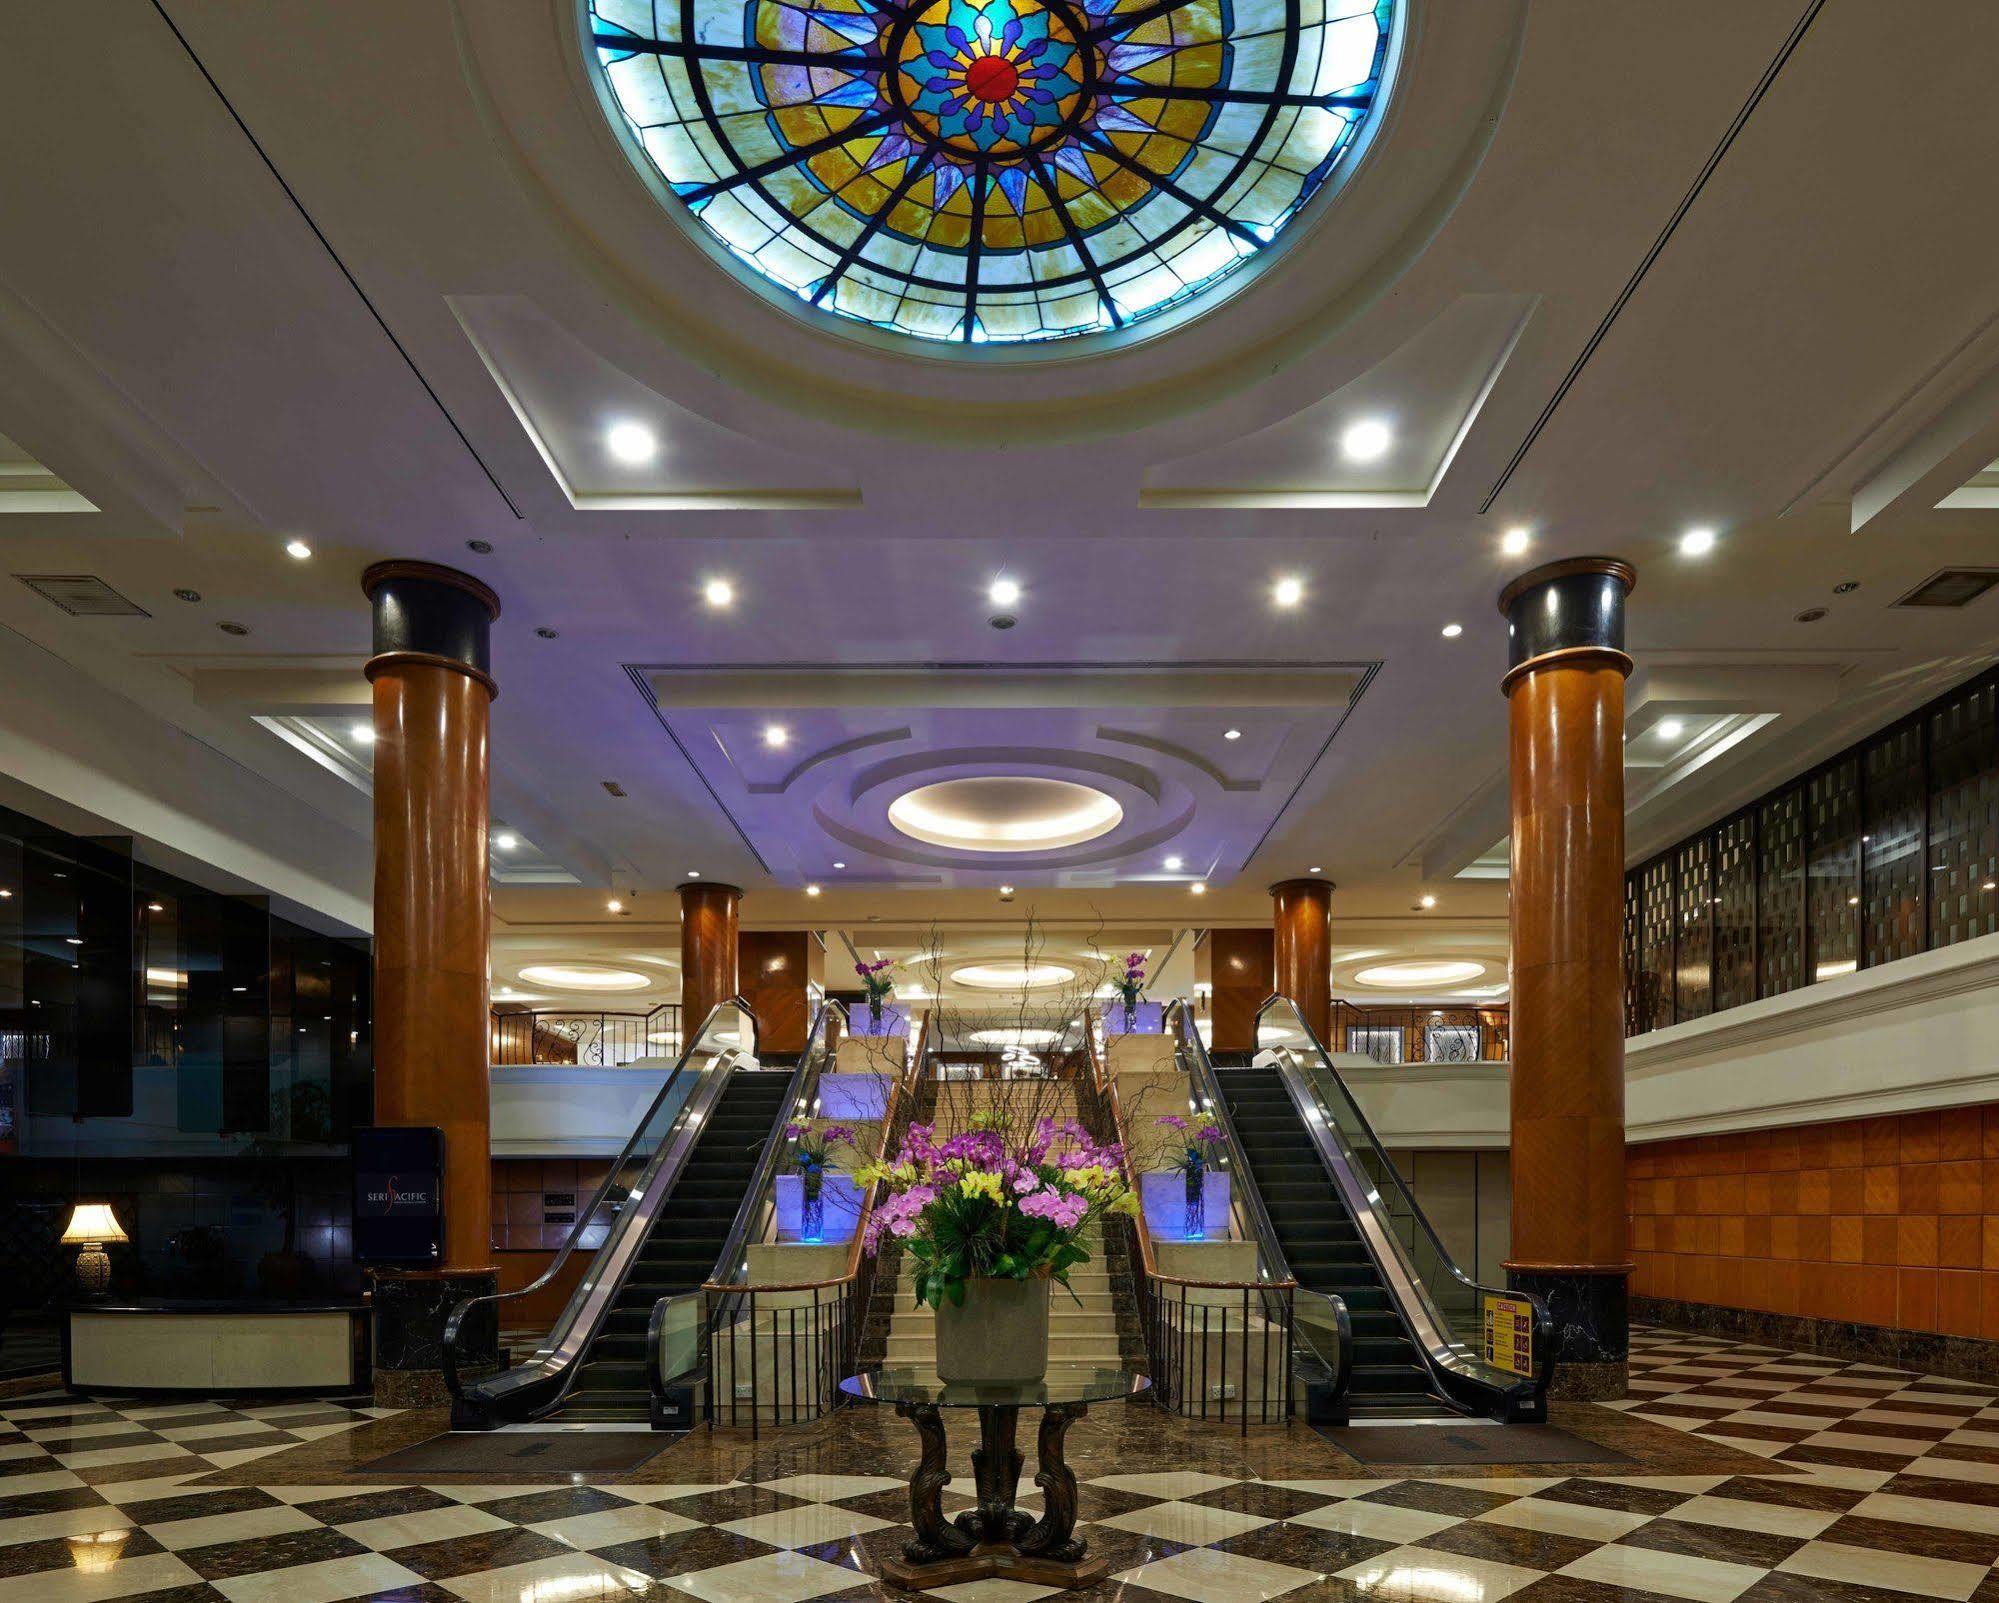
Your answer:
<point x="1198" y="1132"/>
<point x="1131" y="984"/>
<point x="989" y="1205"/>
<point x="875" y="976"/>
<point x="815" y="1148"/>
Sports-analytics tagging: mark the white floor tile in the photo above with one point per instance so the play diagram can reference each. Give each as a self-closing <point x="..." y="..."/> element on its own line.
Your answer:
<point x="1898" y="1572"/>
<point x="1418" y="1575"/>
<point x="1191" y="1523"/>
<point x="773" y="1578"/>
<point x="803" y="1526"/>
<point x="389" y="1531"/>
<point x="1739" y="1514"/>
<point x="608" y="1527"/>
<point x="153" y="1572"/>
<point x="1207" y="1576"/>
<point x="1949" y="1514"/>
<point x="1703" y="1580"/>
<point x="1381" y="1522"/>
<point x="324" y="1582"/>
<point x="993" y="1589"/>
<point x="825" y="1488"/>
<point x="1165" y="1483"/>
<point x="1565" y="1519"/>
<point x="64" y="1522"/>
<point x="179" y="1535"/>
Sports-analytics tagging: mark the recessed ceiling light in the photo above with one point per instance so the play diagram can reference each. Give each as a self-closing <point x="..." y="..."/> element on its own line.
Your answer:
<point x="1288" y="591"/>
<point x="1231" y="734"/>
<point x="694" y="873"/>
<point x="1429" y="901"/>
<point x="1516" y="541"/>
<point x="631" y="442"/>
<point x="4" y="894"/>
<point x="1199" y="888"/>
<point x="1006" y="890"/>
<point x="1172" y="865"/>
<point x="506" y="990"/>
<point x="614" y="906"/>
<point x="1453" y="630"/>
<point x="361" y="734"/>
<point x="776" y="735"/>
<point x="151" y="907"/>
<point x="506" y="840"/>
<point x="718" y="593"/>
<point x="298" y="550"/>
<point x="812" y="890"/>
<point x="1671" y="729"/>
<point x="1697" y="542"/>
<point x="1367" y="440"/>
<point x="74" y="940"/>
<point x="1003" y="592"/>
<point x="1990" y="885"/>
<point x="839" y="865"/>
<point x="1315" y="869"/>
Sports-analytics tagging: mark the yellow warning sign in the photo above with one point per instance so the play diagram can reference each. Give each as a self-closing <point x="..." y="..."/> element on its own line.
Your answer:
<point x="1509" y="1334"/>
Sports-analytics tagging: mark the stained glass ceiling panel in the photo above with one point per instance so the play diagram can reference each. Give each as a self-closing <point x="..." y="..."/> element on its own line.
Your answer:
<point x="999" y="171"/>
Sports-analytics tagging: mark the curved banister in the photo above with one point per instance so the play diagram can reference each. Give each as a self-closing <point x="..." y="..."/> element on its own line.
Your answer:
<point x="1444" y="1355"/>
<point x="454" y="1326"/>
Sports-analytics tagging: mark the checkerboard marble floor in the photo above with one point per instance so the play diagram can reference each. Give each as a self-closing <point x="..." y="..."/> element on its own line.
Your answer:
<point x="1881" y="1485"/>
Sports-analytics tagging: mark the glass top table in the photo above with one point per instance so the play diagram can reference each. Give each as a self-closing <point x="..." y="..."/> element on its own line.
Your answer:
<point x="1063" y="1384"/>
<point x="995" y="1538"/>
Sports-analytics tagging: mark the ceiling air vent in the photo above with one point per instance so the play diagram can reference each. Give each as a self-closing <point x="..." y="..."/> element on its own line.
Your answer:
<point x="1952" y="587"/>
<point x="82" y="595"/>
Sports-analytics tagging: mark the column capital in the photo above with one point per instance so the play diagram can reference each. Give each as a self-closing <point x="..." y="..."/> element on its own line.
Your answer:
<point x="700" y="886"/>
<point x="428" y="615"/>
<point x="1570" y="612"/>
<point x="1299" y="882"/>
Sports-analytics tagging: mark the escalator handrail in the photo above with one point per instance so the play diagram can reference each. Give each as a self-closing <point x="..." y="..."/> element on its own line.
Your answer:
<point x="1201" y="1072"/>
<point x="1326" y="1130"/>
<point x="454" y="1324"/>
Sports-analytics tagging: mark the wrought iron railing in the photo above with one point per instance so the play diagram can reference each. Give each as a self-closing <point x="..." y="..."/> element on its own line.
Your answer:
<point x="1216" y="1349"/>
<point x="584" y="1039"/>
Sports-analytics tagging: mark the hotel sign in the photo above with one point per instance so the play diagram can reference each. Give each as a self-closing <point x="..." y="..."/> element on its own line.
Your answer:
<point x="398" y="1195"/>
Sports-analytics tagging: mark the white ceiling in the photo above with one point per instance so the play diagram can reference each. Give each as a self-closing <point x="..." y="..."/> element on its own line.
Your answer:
<point x="374" y="276"/>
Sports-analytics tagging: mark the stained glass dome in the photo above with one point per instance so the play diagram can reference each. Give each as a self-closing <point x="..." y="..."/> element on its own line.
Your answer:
<point x="988" y="170"/>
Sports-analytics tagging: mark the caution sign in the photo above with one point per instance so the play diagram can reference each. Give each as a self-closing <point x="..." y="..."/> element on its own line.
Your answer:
<point x="1509" y="1334"/>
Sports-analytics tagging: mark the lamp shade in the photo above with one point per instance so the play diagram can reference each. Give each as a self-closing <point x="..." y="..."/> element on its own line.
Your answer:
<point x="92" y="1222"/>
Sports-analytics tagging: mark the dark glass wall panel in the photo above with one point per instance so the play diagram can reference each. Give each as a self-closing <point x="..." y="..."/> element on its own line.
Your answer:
<point x="1735" y="912"/>
<point x="1832" y="886"/>
<point x="1693" y="961"/>
<point x="1894" y="866"/>
<point x="1964" y="815"/>
<point x="1780" y="893"/>
<point x="1655" y="963"/>
<point x="1633" y="919"/>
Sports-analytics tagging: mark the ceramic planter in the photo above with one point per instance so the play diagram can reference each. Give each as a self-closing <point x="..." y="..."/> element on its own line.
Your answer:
<point x="999" y="1336"/>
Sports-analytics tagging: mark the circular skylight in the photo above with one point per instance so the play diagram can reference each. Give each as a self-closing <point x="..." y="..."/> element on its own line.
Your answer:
<point x="1409" y="976"/>
<point x="583" y="977"/>
<point x="998" y="171"/>
<point x="1013" y="976"/>
<point x="1004" y="813"/>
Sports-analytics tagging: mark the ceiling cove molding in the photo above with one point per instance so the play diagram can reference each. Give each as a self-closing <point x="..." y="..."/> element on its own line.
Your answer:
<point x="827" y="754"/>
<point x="1179" y="754"/>
<point x="998" y="685"/>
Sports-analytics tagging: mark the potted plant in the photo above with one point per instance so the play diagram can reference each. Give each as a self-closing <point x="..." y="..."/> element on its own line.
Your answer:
<point x="875" y="976"/>
<point x="1131" y="988"/>
<point x="992" y="1217"/>
<point x="815" y="1148"/>
<point x="1198" y="1133"/>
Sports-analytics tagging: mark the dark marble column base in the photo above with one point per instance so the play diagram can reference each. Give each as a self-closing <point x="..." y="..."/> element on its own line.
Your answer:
<point x="1592" y="1320"/>
<point x="410" y="1311"/>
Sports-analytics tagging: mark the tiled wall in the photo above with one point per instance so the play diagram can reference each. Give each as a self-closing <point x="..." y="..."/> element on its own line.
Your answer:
<point x="530" y="1196"/>
<point x="1889" y="1221"/>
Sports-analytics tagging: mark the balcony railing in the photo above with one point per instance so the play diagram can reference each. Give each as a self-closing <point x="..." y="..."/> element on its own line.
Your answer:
<point x="1418" y="1034"/>
<point x="585" y="1040"/>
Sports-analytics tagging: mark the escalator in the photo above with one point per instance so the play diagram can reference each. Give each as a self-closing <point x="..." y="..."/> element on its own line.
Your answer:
<point x="1347" y="1227"/>
<point x="659" y="1223"/>
<point x="1322" y="1244"/>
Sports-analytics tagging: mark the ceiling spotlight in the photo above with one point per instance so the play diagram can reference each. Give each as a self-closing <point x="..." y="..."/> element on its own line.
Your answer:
<point x="776" y="735"/>
<point x="1006" y="890"/>
<point x="361" y="734"/>
<point x="1515" y="541"/>
<point x="73" y="940"/>
<point x="1671" y="729"/>
<point x="1697" y="542"/>
<point x="1428" y="901"/>
<point x="718" y="593"/>
<point x="506" y="840"/>
<point x="297" y="550"/>
<point x="1990" y="885"/>
<point x="546" y="633"/>
<point x="4" y="893"/>
<point x="812" y="890"/>
<point x="185" y="594"/>
<point x="1315" y="869"/>
<point x="1231" y="734"/>
<point x="151" y="907"/>
<point x="694" y="873"/>
<point x="614" y="906"/>
<point x="1199" y="888"/>
<point x="1172" y="865"/>
<point x="839" y="865"/>
<point x="1003" y="592"/>
<point x="1288" y="591"/>
<point x="1367" y="440"/>
<point x="1453" y="630"/>
<point x="631" y="442"/>
<point x="506" y="990"/>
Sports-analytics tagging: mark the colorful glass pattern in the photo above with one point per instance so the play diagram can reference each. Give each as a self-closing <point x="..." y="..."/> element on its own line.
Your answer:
<point x="1006" y="170"/>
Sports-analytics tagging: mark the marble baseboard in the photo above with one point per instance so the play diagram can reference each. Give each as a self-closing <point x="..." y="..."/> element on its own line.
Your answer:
<point x="1958" y="1357"/>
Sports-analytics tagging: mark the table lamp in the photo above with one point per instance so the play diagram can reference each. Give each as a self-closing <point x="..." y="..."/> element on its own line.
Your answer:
<point x="90" y="1227"/>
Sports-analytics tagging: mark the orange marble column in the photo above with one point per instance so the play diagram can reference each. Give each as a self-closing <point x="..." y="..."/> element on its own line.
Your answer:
<point x="1237" y="967"/>
<point x="1302" y="916"/>
<point x="708" y="948"/>
<point x="1565" y="695"/>
<point x="773" y="967"/>
<point x="433" y="693"/>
